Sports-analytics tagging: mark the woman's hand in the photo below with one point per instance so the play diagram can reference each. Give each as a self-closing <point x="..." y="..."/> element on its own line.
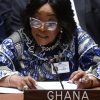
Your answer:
<point x="22" y="82"/>
<point x="82" y="79"/>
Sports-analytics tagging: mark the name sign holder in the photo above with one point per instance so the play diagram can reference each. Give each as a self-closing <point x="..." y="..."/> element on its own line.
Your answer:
<point x="84" y="94"/>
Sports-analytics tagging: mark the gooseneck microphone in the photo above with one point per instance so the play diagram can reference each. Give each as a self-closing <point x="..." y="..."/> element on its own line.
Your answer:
<point x="51" y="62"/>
<point x="58" y="76"/>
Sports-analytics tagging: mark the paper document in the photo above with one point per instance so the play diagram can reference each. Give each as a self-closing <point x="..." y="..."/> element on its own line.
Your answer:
<point x="55" y="85"/>
<point x="43" y="86"/>
<point x="9" y="90"/>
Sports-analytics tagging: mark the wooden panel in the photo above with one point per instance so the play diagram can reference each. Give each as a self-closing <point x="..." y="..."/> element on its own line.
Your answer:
<point x="62" y="95"/>
<point x="11" y="96"/>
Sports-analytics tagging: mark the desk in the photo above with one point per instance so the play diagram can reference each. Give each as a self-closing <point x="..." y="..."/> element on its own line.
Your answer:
<point x="93" y="94"/>
<point x="12" y="96"/>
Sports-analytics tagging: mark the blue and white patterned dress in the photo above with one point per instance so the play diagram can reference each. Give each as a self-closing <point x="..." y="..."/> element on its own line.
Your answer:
<point x="24" y="57"/>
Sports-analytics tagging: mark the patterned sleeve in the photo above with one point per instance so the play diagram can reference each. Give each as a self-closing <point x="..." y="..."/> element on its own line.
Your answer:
<point x="8" y="56"/>
<point x="89" y="54"/>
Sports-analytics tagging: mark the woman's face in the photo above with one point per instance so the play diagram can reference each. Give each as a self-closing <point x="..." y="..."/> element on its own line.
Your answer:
<point x="44" y="25"/>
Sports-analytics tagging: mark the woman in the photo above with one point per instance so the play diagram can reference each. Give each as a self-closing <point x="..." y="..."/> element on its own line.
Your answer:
<point x="49" y="46"/>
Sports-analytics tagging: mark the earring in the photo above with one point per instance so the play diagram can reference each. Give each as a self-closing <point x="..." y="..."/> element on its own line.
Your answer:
<point x="61" y="31"/>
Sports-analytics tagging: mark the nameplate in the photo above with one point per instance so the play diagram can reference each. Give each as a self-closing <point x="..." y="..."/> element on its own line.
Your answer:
<point x="62" y="94"/>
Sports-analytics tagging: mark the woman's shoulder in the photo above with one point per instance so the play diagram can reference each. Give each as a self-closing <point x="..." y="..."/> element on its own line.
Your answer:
<point x="14" y="41"/>
<point x="13" y="44"/>
<point x="14" y="38"/>
<point x="81" y="32"/>
<point x="83" y="35"/>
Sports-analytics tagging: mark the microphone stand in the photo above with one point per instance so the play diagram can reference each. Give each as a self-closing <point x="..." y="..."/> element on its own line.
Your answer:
<point x="58" y="76"/>
<point x="45" y="60"/>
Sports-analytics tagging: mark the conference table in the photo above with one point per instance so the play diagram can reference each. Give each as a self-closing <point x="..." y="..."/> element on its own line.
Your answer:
<point x="94" y="94"/>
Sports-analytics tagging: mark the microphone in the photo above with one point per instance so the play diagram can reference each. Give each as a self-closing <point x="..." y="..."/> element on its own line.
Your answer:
<point x="51" y="62"/>
<point x="58" y="76"/>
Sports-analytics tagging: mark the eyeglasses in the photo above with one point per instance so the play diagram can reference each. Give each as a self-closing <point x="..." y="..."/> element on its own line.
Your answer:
<point x="49" y="25"/>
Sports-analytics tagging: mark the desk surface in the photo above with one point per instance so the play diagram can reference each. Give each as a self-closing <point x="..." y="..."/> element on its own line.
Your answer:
<point x="12" y="96"/>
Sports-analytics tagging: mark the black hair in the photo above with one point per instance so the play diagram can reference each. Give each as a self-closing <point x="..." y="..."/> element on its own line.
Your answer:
<point x="63" y="11"/>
